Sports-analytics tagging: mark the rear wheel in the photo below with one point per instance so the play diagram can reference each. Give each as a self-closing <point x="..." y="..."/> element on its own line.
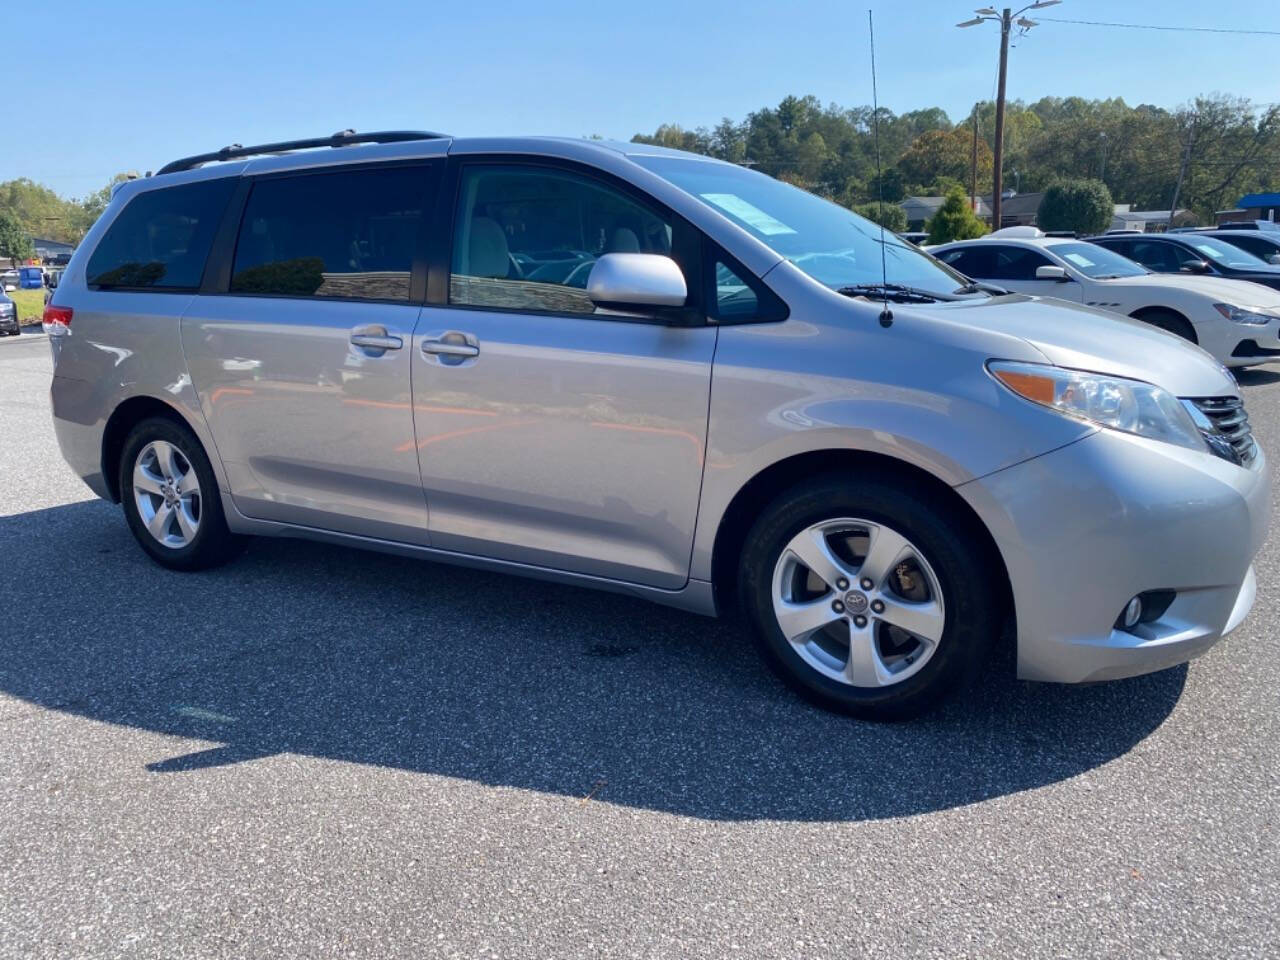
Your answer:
<point x="868" y="597"/>
<point x="1170" y="321"/>
<point x="170" y="498"/>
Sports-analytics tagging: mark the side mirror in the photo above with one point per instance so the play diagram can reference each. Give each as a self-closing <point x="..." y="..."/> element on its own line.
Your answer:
<point x="1274" y="259"/>
<point x="1195" y="266"/>
<point x="628" y="280"/>
<point x="1053" y="273"/>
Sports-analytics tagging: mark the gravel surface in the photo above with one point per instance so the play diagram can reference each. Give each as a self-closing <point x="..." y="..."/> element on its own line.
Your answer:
<point x="317" y="752"/>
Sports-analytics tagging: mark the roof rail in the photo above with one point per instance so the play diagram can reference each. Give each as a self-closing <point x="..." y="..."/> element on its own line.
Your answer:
<point x="343" y="138"/>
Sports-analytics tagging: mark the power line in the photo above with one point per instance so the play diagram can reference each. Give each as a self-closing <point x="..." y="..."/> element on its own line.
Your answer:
<point x="1152" y="26"/>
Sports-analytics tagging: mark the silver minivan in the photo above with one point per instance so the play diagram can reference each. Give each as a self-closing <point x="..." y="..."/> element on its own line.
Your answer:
<point x="651" y="372"/>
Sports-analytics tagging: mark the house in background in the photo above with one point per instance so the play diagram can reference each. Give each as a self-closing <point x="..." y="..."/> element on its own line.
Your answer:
<point x="1157" y="221"/>
<point x="53" y="252"/>
<point x="920" y="210"/>
<point x="1019" y="209"/>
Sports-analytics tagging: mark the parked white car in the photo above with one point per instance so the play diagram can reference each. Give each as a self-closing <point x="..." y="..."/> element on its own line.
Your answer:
<point x="1238" y="322"/>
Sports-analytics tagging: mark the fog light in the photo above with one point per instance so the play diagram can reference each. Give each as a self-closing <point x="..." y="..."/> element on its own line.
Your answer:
<point x="1132" y="613"/>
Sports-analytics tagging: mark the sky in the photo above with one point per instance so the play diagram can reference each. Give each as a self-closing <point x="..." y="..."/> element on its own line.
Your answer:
<point x="130" y="86"/>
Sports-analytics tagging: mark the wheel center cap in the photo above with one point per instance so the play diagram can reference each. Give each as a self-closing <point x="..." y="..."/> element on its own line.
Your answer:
<point x="855" y="601"/>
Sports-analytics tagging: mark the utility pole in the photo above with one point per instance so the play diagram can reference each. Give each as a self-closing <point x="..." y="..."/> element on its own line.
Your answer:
<point x="1182" y="171"/>
<point x="1006" y="20"/>
<point x="973" y="164"/>
<point x="997" y="180"/>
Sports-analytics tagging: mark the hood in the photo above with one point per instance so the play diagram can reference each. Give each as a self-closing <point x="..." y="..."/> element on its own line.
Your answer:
<point x="1083" y="338"/>
<point x="1242" y="292"/>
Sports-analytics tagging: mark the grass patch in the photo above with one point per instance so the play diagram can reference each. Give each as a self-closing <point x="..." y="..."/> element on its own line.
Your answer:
<point x="30" y="305"/>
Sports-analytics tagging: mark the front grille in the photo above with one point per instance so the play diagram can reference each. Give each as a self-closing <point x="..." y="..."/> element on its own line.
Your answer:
<point x="1225" y="427"/>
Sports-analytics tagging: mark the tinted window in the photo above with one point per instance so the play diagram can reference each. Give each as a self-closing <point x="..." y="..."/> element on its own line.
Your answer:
<point x="1017" y="263"/>
<point x="735" y="300"/>
<point x="1154" y="255"/>
<point x="161" y="238"/>
<point x="527" y="237"/>
<point x="349" y="234"/>
<point x="973" y="262"/>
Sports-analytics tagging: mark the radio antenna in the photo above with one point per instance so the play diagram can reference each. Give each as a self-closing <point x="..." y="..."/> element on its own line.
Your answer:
<point x="886" y="315"/>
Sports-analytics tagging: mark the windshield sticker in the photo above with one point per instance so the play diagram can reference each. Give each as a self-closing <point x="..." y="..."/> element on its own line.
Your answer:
<point x="1079" y="259"/>
<point x="749" y="214"/>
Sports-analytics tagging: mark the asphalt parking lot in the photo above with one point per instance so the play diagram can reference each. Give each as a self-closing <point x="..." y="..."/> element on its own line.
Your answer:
<point x="317" y="752"/>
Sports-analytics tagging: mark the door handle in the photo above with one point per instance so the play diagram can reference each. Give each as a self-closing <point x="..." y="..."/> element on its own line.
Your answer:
<point x="375" y="338"/>
<point x="451" y="347"/>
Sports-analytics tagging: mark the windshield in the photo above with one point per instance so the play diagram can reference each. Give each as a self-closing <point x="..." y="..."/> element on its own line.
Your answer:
<point x="1097" y="262"/>
<point x="833" y="245"/>
<point x="1217" y="251"/>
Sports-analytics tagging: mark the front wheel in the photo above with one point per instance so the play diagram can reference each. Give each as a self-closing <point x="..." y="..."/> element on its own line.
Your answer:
<point x="170" y="498"/>
<point x="1171" y="322"/>
<point x="869" y="597"/>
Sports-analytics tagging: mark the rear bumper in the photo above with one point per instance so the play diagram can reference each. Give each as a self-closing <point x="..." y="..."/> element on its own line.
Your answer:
<point x="1084" y="529"/>
<point x="80" y="443"/>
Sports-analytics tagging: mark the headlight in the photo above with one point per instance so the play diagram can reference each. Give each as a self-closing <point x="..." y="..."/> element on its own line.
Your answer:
<point x="1116" y="402"/>
<point x="1255" y="316"/>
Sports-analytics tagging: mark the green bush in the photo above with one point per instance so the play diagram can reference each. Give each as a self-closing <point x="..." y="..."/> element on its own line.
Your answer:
<point x="1084" y="206"/>
<point x="888" y="215"/>
<point x="955" y="220"/>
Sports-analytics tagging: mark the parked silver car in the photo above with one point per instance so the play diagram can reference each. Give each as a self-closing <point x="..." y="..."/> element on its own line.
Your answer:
<point x="650" y="372"/>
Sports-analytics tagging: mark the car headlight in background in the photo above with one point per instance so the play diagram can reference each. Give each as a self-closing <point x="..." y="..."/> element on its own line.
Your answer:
<point x="1133" y="406"/>
<point x="1254" y="316"/>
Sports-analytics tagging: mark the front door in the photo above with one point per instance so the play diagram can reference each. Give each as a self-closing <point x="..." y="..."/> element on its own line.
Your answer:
<point x="549" y="433"/>
<point x="303" y="368"/>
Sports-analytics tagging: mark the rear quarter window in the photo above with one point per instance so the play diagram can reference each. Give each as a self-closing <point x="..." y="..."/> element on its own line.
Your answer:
<point x="161" y="238"/>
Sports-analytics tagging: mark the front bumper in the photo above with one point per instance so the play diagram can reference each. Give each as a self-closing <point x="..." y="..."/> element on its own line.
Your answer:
<point x="1087" y="527"/>
<point x="9" y="324"/>
<point x="1254" y="345"/>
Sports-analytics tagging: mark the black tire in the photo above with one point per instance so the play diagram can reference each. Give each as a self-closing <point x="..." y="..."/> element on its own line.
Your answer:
<point x="213" y="543"/>
<point x="1172" y="322"/>
<point x="959" y="556"/>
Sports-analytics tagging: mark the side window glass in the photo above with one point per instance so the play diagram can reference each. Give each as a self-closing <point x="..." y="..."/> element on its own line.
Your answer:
<point x="1254" y="245"/>
<point x="1017" y="263"/>
<point x="972" y="261"/>
<point x="734" y="297"/>
<point x="162" y="238"/>
<point x="525" y="238"/>
<point x="1153" y="256"/>
<point x="347" y="235"/>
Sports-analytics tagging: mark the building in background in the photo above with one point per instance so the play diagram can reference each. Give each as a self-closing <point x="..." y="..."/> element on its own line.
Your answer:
<point x="920" y="210"/>
<point x="1252" y="206"/>
<point x="53" y="252"/>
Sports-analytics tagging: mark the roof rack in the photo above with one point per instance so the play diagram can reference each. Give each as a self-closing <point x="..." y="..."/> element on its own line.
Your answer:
<point x="343" y="138"/>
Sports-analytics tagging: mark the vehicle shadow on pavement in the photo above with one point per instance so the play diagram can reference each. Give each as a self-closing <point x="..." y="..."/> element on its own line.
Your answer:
<point x="344" y="654"/>
<point x="1256" y="376"/>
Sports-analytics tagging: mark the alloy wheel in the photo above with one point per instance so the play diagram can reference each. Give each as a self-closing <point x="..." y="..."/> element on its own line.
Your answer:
<point x="166" y="492"/>
<point x="858" y="602"/>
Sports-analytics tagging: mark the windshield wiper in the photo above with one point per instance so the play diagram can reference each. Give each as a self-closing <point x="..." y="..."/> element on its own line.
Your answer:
<point x="977" y="286"/>
<point x="896" y="292"/>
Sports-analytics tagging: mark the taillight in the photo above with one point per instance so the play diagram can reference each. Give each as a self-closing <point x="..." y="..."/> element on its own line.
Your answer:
<point x="57" y="321"/>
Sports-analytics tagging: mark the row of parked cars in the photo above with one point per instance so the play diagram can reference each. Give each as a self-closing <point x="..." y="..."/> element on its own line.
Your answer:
<point x="638" y="370"/>
<point x="1205" y="286"/>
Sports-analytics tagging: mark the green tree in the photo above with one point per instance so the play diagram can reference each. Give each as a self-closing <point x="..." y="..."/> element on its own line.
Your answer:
<point x="945" y="153"/>
<point x="888" y="215"/>
<point x="14" y="242"/>
<point x="954" y="220"/>
<point x="1084" y="206"/>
